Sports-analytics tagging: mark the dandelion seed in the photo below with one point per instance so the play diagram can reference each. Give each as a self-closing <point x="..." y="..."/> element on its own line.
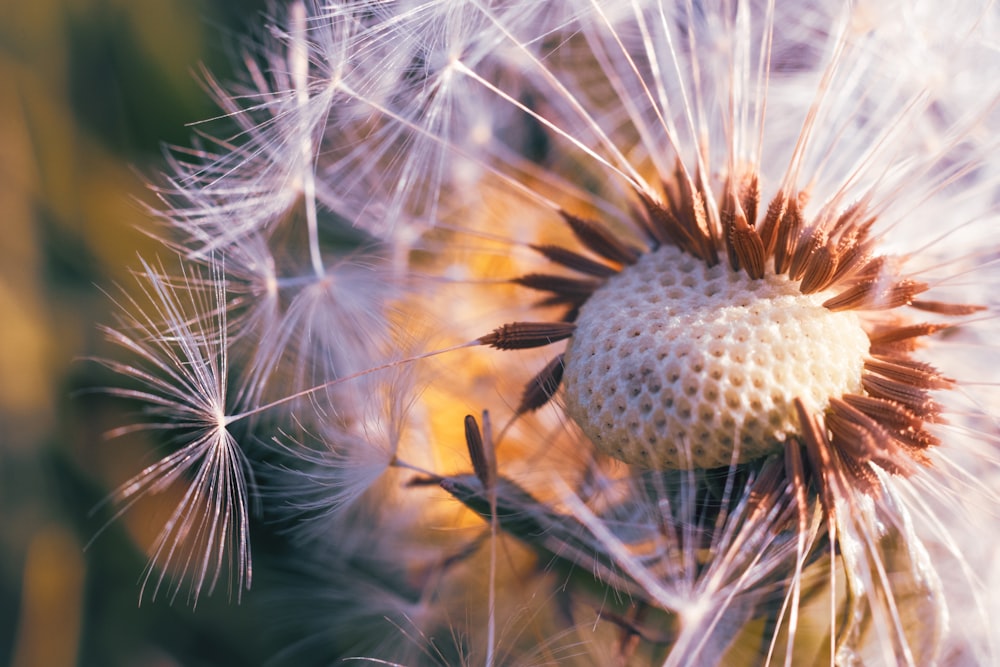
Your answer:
<point x="182" y="372"/>
<point x="325" y="474"/>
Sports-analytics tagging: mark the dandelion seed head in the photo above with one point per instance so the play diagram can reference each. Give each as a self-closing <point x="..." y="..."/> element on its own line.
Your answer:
<point x="675" y="364"/>
<point x="729" y="246"/>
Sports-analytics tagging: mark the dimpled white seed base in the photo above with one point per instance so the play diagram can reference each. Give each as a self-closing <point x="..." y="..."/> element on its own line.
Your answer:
<point x="674" y="363"/>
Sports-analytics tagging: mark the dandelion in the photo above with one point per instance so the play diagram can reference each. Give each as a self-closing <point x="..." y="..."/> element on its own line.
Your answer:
<point x="722" y="277"/>
<point x="181" y="370"/>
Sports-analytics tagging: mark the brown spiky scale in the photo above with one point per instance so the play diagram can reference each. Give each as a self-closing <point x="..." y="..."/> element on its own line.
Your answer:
<point x="767" y="492"/>
<point x="677" y="194"/>
<point x="874" y="294"/>
<point x="854" y="259"/>
<point x="889" y="339"/>
<point x="768" y="228"/>
<point x="597" y="238"/>
<point x="709" y="251"/>
<point x="855" y="433"/>
<point x="861" y="476"/>
<point x="953" y="309"/>
<point x="915" y="399"/>
<point x="872" y="268"/>
<point x="908" y="371"/>
<point x="749" y="250"/>
<point x="916" y="441"/>
<point x="807" y="246"/>
<point x="575" y="261"/>
<point x="729" y="209"/>
<point x="639" y="214"/>
<point x="750" y="197"/>
<point x="547" y="282"/>
<point x="668" y="229"/>
<point x="819" y="271"/>
<point x="889" y="413"/>
<point x="477" y="451"/>
<point x="542" y="387"/>
<point x="847" y="224"/>
<point x="525" y="335"/>
<point x="846" y="455"/>
<point x="566" y="289"/>
<point x="745" y="248"/>
<point x="787" y="236"/>
<point x="645" y="215"/>
<point x="819" y="456"/>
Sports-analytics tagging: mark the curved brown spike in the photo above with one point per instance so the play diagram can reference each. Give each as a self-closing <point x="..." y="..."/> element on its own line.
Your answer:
<point x="820" y="457"/>
<point x="575" y="261"/>
<point x="872" y="269"/>
<point x="917" y="440"/>
<point x="525" y="335"/>
<point x="873" y="295"/>
<point x="597" y="238"/>
<point x="846" y="224"/>
<point x="863" y="478"/>
<point x="909" y="362"/>
<point x="768" y="227"/>
<point x="852" y="440"/>
<point x="568" y="288"/>
<point x="750" y="251"/>
<point x="847" y="233"/>
<point x="477" y="451"/>
<point x="641" y="218"/>
<point x="914" y="399"/>
<point x="795" y="475"/>
<point x="682" y="203"/>
<point x="673" y="194"/>
<point x="729" y="210"/>
<point x="903" y="464"/>
<point x="571" y="313"/>
<point x="750" y="197"/>
<point x="909" y="371"/>
<point x="743" y="244"/>
<point x="906" y="429"/>
<point x="819" y="271"/>
<point x="856" y="434"/>
<point x="668" y="229"/>
<point x="943" y="308"/>
<point x="653" y="223"/>
<point x="766" y="489"/>
<point x="689" y="222"/>
<point x="863" y="229"/>
<point x="855" y="296"/>
<point x="889" y="413"/>
<point x="573" y="301"/>
<point x="898" y="334"/>
<point x="807" y="246"/>
<point x="853" y="236"/>
<point x="788" y="232"/>
<point x="542" y="387"/>
<point x="851" y="260"/>
<point x="708" y="252"/>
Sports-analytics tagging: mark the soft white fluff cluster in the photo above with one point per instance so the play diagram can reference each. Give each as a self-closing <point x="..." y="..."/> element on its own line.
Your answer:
<point x="356" y="222"/>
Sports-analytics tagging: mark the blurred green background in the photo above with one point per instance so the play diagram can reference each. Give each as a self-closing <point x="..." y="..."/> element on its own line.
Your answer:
<point x="89" y="91"/>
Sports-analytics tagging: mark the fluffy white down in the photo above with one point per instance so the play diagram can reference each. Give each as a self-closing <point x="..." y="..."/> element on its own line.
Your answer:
<point x="674" y="363"/>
